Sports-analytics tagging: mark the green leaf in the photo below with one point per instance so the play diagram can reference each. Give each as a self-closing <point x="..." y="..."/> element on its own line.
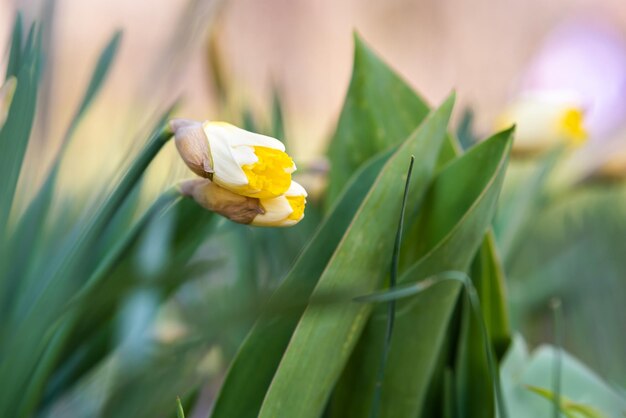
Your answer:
<point x="472" y="376"/>
<point x="521" y="201"/>
<point x="15" y="133"/>
<point x="380" y="110"/>
<point x="391" y="306"/>
<point x="27" y="234"/>
<point x="180" y="413"/>
<point x="15" y="53"/>
<point x="243" y="391"/>
<point x="582" y="393"/>
<point x="99" y="74"/>
<point x="458" y="210"/>
<point x="179" y="226"/>
<point x="566" y="406"/>
<point x="313" y="361"/>
<point x="34" y="323"/>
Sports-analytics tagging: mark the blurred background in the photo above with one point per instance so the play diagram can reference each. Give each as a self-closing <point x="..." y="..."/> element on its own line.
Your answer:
<point x="222" y="58"/>
<point x="303" y="48"/>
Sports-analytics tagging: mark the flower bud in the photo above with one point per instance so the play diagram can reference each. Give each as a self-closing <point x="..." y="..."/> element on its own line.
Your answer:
<point x="237" y="208"/>
<point x="544" y="120"/>
<point x="284" y="210"/>
<point x="192" y="146"/>
<point x="243" y="162"/>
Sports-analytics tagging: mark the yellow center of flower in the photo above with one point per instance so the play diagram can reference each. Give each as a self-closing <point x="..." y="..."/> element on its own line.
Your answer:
<point x="571" y="124"/>
<point x="270" y="176"/>
<point x="297" y="205"/>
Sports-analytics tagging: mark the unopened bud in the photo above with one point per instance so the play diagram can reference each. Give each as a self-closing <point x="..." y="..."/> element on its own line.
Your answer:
<point x="193" y="146"/>
<point x="237" y="208"/>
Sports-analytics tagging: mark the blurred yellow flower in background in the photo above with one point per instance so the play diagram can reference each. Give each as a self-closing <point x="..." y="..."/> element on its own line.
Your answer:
<point x="545" y="120"/>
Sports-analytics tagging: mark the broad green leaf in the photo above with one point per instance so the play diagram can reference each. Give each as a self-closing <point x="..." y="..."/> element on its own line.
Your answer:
<point x="380" y="110"/>
<point x="580" y="386"/>
<point x="472" y="370"/>
<point x="252" y="370"/>
<point x="457" y="212"/>
<point x="313" y="360"/>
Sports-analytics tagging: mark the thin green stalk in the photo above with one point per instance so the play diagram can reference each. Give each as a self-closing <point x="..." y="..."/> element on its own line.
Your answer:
<point x="555" y="306"/>
<point x="180" y="413"/>
<point x="391" y="310"/>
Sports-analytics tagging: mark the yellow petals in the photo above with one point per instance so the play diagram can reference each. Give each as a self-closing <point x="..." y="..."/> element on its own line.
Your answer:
<point x="270" y="176"/>
<point x="571" y="124"/>
<point x="544" y="120"/>
<point x="297" y="204"/>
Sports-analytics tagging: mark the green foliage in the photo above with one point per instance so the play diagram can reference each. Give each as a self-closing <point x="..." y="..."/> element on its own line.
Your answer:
<point x="527" y="382"/>
<point x="355" y="312"/>
<point x="380" y="111"/>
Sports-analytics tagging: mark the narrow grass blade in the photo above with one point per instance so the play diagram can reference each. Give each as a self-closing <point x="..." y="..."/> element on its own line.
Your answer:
<point x="32" y="330"/>
<point x="555" y="306"/>
<point x="15" y="133"/>
<point x="180" y="413"/>
<point x="24" y="237"/>
<point x="391" y="312"/>
<point x="15" y="53"/>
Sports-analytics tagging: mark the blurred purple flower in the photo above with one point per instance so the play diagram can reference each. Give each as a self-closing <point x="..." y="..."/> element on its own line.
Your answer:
<point x="589" y="59"/>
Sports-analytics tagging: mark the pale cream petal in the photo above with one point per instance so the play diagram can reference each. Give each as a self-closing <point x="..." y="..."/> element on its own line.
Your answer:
<point x="227" y="171"/>
<point x="237" y="136"/>
<point x="277" y="210"/>
<point x="295" y="189"/>
<point x="538" y="116"/>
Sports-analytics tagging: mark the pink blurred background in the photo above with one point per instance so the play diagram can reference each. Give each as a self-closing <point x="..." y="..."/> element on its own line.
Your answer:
<point x="477" y="47"/>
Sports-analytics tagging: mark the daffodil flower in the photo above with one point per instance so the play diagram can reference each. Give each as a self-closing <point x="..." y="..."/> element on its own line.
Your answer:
<point x="544" y="120"/>
<point x="246" y="163"/>
<point x="284" y="210"/>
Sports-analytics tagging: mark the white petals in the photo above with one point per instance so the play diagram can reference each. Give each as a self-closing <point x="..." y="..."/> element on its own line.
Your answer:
<point x="295" y="189"/>
<point x="276" y="209"/>
<point x="237" y="136"/>
<point x="538" y="117"/>
<point x="226" y="166"/>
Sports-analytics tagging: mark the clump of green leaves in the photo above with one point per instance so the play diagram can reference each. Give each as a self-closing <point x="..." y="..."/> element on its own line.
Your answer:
<point x="314" y="300"/>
